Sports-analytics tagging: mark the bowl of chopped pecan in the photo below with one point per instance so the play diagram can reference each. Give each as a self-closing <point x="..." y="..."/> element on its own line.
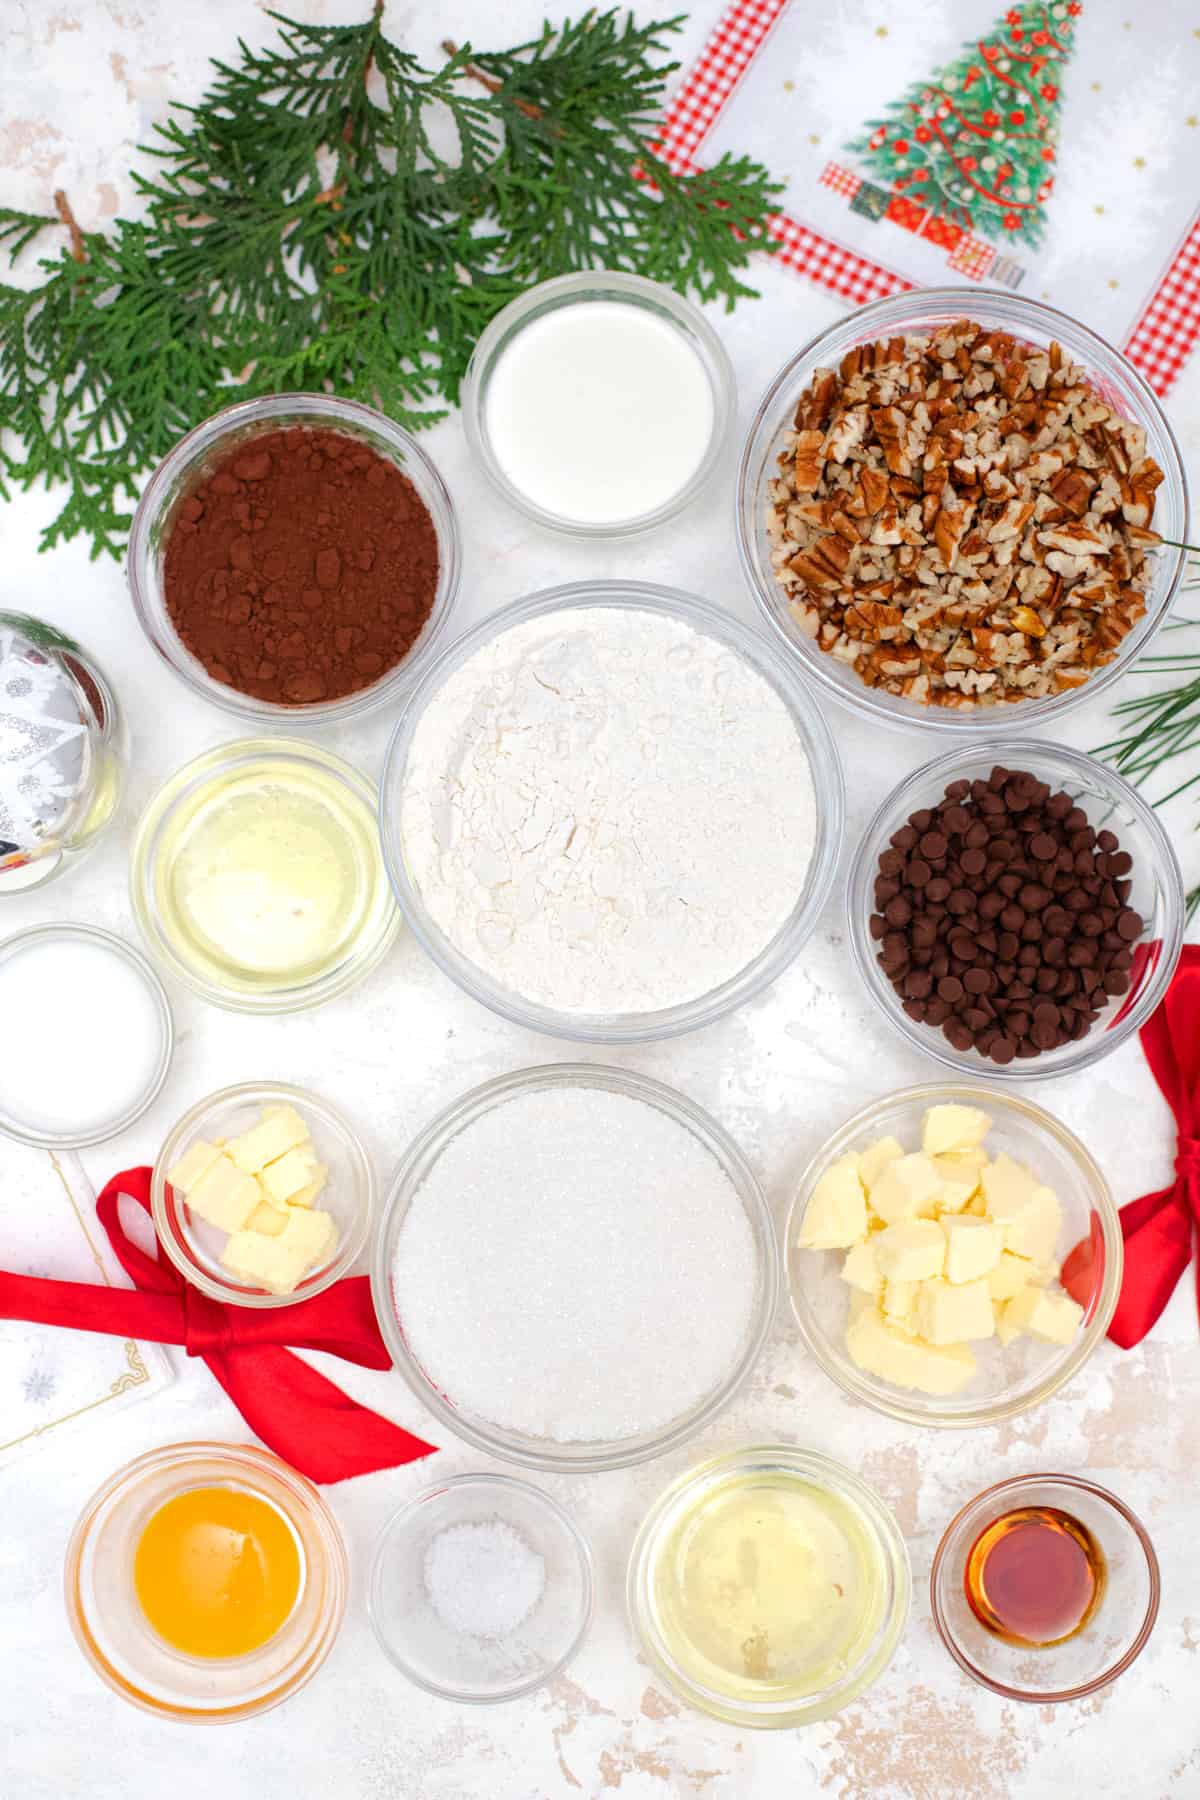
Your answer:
<point x="950" y="504"/>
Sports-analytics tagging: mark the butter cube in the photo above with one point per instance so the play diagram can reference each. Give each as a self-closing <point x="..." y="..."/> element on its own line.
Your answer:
<point x="906" y="1189"/>
<point x="267" y="1219"/>
<point x="1009" y="1275"/>
<point x="899" y="1303"/>
<point x="882" y="1350"/>
<point x="1054" y="1317"/>
<point x="875" y="1159"/>
<point x="861" y="1270"/>
<point x="290" y="1174"/>
<point x="279" y="1130"/>
<point x="1008" y="1188"/>
<point x="912" y="1251"/>
<point x="1034" y="1232"/>
<point x="953" y="1194"/>
<point x="973" y="1247"/>
<point x="836" y="1215"/>
<point x="196" y="1161"/>
<point x="308" y="1194"/>
<point x="224" y="1196"/>
<point x="861" y="1303"/>
<point x="952" y="1128"/>
<point x="961" y="1165"/>
<point x="280" y="1263"/>
<point x="947" y="1314"/>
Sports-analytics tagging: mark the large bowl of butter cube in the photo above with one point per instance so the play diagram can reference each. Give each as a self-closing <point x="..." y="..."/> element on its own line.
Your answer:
<point x="953" y="1255"/>
<point x="262" y="1195"/>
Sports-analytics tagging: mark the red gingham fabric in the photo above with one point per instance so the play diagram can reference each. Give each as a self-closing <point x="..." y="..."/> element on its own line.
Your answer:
<point x="842" y="181"/>
<point x="1166" y="333"/>
<point x="1160" y="342"/>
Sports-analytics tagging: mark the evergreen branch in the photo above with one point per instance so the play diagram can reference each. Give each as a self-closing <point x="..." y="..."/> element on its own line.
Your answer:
<point x="307" y="226"/>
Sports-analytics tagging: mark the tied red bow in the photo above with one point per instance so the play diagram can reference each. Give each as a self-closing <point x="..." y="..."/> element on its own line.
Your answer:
<point x="303" y="1417"/>
<point x="1159" y="1228"/>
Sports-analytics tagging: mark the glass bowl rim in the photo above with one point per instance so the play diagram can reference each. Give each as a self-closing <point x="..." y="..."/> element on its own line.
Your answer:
<point x="825" y="769"/>
<point x="1099" y="1041"/>
<point x="1012" y="1485"/>
<point x="910" y="308"/>
<point x="898" y="1406"/>
<point x="567" y="290"/>
<point x="207" y="436"/>
<point x="572" y="1534"/>
<point x="305" y="1101"/>
<point x="591" y="1456"/>
<point x="56" y="930"/>
<point x="825" y="1471"/>
<point x="163" y="800"/>
<point x="257" y="1457"/>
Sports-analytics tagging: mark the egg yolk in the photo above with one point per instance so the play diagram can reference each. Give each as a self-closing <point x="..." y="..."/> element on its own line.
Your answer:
<point x="217" y="1571"/>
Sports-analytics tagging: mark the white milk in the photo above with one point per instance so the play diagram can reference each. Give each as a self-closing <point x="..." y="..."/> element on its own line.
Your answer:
<point x="599" y="411"/>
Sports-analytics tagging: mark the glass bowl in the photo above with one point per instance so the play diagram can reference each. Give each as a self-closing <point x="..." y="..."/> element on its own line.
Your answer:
<point x="99" y="1130"/>
<point x="630" y="1027"/>
<point x="192" y="794"/>
<point x="767" y="1467"/>
<point x="349" y="1194"/>
<point x="186" y="465"/>
<point x="1109" y="801"/>
<point x="922" y="310"/>
<point x="517" y="1446"/>
<point x="117" y="1639"/>
<point x="460" y="1665"/>
<point x="1108" y="1643"/>
<point x="67" y="740"/>
<point x="1008" y="1380"/>
<point x="581" y="289"/>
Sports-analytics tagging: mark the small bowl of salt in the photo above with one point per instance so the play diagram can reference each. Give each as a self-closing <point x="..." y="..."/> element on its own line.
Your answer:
<point x="481" y="1589"/>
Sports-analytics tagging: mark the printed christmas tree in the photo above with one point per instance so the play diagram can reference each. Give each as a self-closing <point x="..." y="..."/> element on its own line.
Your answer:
<point x="975" y="143"/>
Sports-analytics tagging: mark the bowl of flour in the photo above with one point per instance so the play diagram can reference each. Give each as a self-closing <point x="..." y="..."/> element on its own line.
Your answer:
<point x="612" y="812"/>
<point x="576" y="1267"/>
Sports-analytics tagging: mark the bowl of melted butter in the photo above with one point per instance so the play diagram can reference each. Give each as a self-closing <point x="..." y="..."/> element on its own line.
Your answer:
<point x="769" y="1587"/>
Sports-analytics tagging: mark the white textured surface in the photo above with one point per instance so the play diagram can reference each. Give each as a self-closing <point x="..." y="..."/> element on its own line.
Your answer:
<point x="79" y="83"/>
<point x="608" y="811"/>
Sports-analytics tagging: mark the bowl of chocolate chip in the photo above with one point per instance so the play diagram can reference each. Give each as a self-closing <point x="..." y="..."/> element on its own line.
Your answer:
<point x="1016" y="909"/>
<point x="958" y="510"/>
<point x="295" y="559"/>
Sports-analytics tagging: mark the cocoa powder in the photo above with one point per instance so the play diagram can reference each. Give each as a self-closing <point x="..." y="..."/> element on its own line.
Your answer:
<point x="302" y="567"/>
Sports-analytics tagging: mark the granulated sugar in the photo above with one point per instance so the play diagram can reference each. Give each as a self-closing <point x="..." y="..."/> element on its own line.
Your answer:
<point x="576" y="1266"/>
<point x="608" y="811"/>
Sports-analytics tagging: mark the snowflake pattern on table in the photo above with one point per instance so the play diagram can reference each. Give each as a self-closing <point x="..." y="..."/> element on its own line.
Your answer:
<point x="38" y="1387"/>
<point x="42" y="743"/>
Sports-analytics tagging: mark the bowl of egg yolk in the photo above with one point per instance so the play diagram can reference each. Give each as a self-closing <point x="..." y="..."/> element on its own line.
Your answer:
<point x="206" y="1581"/>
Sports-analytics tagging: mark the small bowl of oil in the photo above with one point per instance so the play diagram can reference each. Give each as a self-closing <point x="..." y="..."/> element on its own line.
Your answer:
<point x="206" y="1582"/>
<point x="257" y="876"/>
<point x="1045" y="1588"/>
<point x="769" y="1587"/>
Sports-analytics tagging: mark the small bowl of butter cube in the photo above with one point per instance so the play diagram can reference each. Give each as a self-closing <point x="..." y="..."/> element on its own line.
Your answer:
<point x="262" y="1195"/>
<point x="953" y="1255"/>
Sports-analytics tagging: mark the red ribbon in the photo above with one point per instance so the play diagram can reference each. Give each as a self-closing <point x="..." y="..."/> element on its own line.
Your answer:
<point x="1159" y="1228"/>
<point x="303" y="1417"/>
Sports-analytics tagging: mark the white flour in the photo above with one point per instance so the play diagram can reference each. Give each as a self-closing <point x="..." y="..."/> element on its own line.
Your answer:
<point x="608" y="811"/>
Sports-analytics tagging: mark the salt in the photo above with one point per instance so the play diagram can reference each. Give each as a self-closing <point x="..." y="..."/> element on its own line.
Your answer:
<point x="482" y="1578"/>
<point x="82" y="1039"/>
<point x="576" y="1266"/>
<point x="599" y="412"/>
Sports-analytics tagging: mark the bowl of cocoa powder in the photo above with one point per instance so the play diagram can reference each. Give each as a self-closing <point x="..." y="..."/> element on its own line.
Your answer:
<point x="295" y="557"/>
<point x="1016" y="909"/>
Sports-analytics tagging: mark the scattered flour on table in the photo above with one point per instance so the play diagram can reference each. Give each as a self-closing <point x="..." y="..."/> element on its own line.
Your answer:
<point x="576" y="1266"/>
<point x="608" y="811"/>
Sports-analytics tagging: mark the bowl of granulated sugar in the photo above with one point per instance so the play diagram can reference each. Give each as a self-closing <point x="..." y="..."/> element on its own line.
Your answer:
<point x="576" y="1267"/>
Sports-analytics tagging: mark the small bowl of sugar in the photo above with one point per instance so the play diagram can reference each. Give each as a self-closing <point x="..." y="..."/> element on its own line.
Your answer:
<point x="598" y="403"/>
<point x="481" y="1589"/>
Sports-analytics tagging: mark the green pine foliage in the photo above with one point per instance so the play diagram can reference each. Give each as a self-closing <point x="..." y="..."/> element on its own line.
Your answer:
<point x="976" y="142"/>
<point x="306" y="228"/>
